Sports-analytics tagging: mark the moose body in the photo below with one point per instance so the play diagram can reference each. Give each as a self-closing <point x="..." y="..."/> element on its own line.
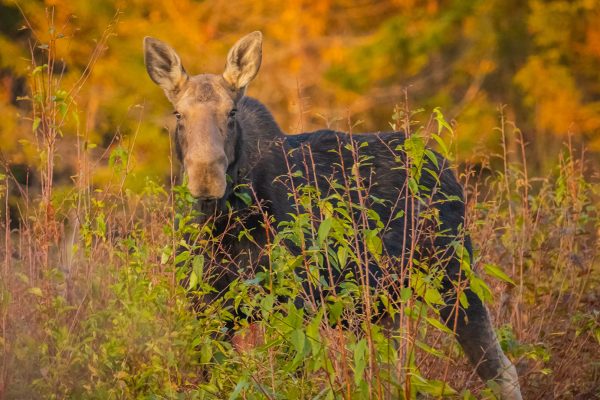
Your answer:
<point x="227" y="142"/>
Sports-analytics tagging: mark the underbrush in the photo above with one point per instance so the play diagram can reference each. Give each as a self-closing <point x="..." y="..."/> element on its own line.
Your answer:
<point x="106" y="317"/>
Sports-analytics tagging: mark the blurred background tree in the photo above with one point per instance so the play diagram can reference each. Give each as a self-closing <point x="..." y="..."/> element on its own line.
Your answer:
<point x="329" y="63"/>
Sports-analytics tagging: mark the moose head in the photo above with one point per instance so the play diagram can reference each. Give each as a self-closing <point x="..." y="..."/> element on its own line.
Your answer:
<point x="205" y="107"/>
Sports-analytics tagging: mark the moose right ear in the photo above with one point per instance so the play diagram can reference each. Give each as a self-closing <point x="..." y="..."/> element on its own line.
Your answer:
<point x="243" y="61"/>
<point x="164" y="67"/>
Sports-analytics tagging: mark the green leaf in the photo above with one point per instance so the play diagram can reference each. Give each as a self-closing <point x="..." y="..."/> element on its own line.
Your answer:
<point x="360" y="351"/>
<point x="267" y="302"/>
<point x="443" y="147"/>
<point x="324" y="229"/>
<point x="36" y="291"/>
<point x="374" y="243"/>
<point x="413" y="185"/>
<point x="442" y="123"/>
<point x="430" y="350"/>
<point x="36" y="123"/>
<point x="431" y="155"/>
<point x="63" y="108"/>
<point x="342" y="255"/>
<point x="241" y="385"/>
<point x="433" y="296"/>
<point x="405" y="294"/>
<point x="431" y="386"/>
<point x="313" y="333"/>
<point x="437" y="324"/>
<point x="206" y="353"/>
<point x="181" y="257"/>
<point x="164" y="257"/>
<point x="198" y="267"/>
<point x="399" y="214"/>
<point x="39" y="69"/>
<point x="244" y="197"/>
<point x="193" y="281"/>
<point x="415" y="148"/>
<point x="298" y="338"/>
<point x="464" y="302"/>
<point x="23" y="278"/>
<point x="497" y="272"/>
<point x="481" y="289"/>
<point x="335" y="311"/>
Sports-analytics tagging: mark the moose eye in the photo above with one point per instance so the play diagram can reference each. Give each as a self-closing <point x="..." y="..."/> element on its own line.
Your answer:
<point x="177" y="115"/>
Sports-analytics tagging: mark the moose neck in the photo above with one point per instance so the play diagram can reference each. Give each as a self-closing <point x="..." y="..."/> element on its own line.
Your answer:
<point x="258" y="129"/>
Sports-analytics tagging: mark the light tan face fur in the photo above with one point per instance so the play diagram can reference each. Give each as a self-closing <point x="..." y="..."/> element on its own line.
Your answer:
<point x="202" y="104"/>
<point x="203" y="107"/>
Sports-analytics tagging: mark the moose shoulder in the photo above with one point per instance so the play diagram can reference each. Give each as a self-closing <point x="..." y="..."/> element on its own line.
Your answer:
<point x="225" y="141"/>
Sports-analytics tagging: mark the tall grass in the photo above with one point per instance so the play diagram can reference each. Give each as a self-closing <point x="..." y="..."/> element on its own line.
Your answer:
<point x="91" y="303"/>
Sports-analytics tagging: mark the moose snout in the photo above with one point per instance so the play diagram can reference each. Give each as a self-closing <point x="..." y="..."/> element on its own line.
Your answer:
<point x="207" y="179"/>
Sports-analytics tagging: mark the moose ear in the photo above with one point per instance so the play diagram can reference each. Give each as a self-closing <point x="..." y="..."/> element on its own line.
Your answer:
<point x="243" y="61"/>
<point x="164" y="67"/>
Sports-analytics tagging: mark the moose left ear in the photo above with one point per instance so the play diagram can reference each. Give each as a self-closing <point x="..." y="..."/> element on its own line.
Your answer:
<point x="164" y="67"/>
<point x="243" y="61"/>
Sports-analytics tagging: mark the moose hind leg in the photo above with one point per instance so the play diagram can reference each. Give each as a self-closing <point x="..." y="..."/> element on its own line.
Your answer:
<point x="479" y="342"/>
